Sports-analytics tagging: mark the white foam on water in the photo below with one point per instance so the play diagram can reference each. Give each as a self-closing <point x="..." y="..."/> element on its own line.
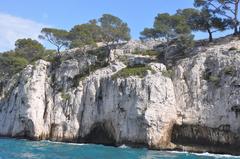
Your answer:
<point x="64" y="143"/>
<point x="28" y="155"/>
<point x="179" y="152"/>
<point x="123" y="147"/>
<point x="176" y="152"/>
<point x="206" y="154"/>
<point x="216" y="155"/>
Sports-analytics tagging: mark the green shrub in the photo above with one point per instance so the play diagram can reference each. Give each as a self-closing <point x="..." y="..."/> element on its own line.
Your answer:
<point x="215" y="80"/>
<point x="29" y="49"/>
<point x="123" y="59"/>
<point x="168" y="73"/>
<point x="80" y="77"/>
<point x="139" y="71"/>
<point x="98" y="65"/>
<point x="101" y="53"/>
<point x="207" y="74"/>
<point x="18" y="63"/>
<point x="77" y="79"/>
<point x="49" y="55"/>
<point x="65" y="96"/>
<point x="229" y="70"/>
<point x="232" y="49"/>
<point x="11" y="64"/>
<point x="146" y="52"/>
<point x="210" y="77"/>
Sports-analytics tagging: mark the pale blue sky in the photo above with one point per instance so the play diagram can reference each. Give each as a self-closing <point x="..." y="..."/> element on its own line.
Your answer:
<point x="24" y="18"/>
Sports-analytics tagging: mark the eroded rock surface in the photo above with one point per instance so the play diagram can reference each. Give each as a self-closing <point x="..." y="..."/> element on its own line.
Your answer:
<point x="194" y="108"/>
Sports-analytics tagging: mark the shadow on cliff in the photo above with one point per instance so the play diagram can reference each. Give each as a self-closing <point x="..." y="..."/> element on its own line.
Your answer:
<point x="199" y="137"/>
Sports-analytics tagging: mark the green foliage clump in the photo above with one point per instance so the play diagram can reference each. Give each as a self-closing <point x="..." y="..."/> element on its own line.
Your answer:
<point x="222" y="8"/>
<point x="77" y="78"/>
<point x="124" y="59"/>
<point x="29" y="49"/>
<point x="101" y="53"/>
<point x="139" y="71"/>
<point x="166" y="27"/>
<point x="214" y="79"/>
<point x="32" y="50"/>
<point x="49" y="55"/>
<point x="203" y="20"/>
<point x="230" y="70"/>
<point x="85" y="35"/>
<point x="173" y="29"/>
<point x="146" y="52"/>
<point x="113" y="29"/>
<point x="98" y="65"/>
<point x="232" y="49"/>
<point x="80" y="77"/>
<point x="10" y="64"/>
<point x="183" y="43"/>
<point x="65" y="96"/>
<point x="168" y="73"/>
<point x="57" y="37"/>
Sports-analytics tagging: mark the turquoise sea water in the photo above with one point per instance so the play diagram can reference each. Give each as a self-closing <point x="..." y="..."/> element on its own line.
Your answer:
<point x="23" y="149"/>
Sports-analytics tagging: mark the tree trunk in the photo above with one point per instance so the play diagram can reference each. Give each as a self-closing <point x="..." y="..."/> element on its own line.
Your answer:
<point x="108" y="54"/>
<point x="84" y="51"/>
<point x="210" y="38"/>
<point x="58" y="50"/>
<point x="235" y="30"/>
<point x="109" y="48"/>
<point x="88" y="63"/>
<point x="236" y="17"/>
<point x="89" y="67"/>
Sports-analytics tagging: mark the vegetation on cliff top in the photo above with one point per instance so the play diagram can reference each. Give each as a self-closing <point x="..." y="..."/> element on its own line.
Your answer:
<point x="26" y="51"/>
<point x="139" y="71"/>
<point x="146" y="52"/>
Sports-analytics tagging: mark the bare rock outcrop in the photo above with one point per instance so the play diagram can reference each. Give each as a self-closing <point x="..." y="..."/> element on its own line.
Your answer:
<point x="193" y="107"/>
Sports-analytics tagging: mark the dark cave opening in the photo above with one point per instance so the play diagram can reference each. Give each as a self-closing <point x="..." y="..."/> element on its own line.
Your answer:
<point x="101" y="133"/>
<point x="197" y="135"/>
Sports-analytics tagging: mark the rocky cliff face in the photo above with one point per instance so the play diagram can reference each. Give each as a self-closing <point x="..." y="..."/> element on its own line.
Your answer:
<point x="196" y="109"/>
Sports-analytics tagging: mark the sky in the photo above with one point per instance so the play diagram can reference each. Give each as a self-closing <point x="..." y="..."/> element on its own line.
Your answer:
<point x="25" y="18"/>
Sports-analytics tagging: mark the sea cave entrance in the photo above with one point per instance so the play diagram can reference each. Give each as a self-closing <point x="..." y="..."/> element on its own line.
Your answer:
<point x="101" y="133"/>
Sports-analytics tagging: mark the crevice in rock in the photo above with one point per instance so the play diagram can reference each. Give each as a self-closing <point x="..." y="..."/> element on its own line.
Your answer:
<point x="46" y="105"/>
<point x="99" y="97"/>
<point x="53" y="128"/>
<point x="236" y="109"/>
<point x="149" y="93"/>
<point x="1" y="88"/>
<point x="81" y="112"/>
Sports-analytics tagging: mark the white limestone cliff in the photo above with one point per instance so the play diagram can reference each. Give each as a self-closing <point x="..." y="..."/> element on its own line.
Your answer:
<point x="155" y="111"/>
